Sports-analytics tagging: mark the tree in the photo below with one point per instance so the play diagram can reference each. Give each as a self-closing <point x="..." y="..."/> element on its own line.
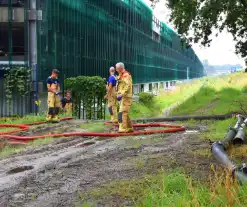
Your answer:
<point x="203" y="16"/>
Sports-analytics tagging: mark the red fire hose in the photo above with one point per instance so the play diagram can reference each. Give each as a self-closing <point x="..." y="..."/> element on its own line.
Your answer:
<point x="24" y="139"/>
<point x="21" y="127"/>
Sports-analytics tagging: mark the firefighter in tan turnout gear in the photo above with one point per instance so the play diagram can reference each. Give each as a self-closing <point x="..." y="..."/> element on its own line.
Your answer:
<point x="53" y="96"/>
<point x="124" y="96"/>
<point x="111" y="95"/>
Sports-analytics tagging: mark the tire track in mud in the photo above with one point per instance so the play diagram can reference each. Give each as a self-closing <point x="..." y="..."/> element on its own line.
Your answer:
<point x="61" y="171"/>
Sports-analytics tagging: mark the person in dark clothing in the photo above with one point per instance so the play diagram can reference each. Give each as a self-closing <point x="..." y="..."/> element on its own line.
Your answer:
<point x="67" y="103"/>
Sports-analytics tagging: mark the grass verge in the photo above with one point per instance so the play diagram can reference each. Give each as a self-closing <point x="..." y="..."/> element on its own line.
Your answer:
<point x="173" y="189"/>
<point x="95" y="127"/>
<point x="217" y="129"/>
<point x="8" y="150"/>
<point x="26" y="119"/>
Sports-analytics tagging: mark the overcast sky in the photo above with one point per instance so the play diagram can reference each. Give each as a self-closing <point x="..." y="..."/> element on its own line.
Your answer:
<point x="222" y="47"/>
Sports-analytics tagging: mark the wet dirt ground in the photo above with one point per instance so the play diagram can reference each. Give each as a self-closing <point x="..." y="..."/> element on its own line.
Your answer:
<point x="53" y="175"/>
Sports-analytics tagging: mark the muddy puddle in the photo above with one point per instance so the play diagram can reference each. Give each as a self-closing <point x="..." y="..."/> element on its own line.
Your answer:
<point x="191" y="131"/>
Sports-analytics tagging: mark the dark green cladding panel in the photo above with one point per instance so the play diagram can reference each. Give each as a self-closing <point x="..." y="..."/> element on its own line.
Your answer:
<point x="86" y="37"/>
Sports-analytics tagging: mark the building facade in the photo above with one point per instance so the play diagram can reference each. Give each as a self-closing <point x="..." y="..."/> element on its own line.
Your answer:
<point x="86" y="37"/>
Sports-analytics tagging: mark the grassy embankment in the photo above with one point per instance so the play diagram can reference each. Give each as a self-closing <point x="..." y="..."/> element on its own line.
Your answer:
<point x="220" y="95"/>
<point x="158" y="104"/>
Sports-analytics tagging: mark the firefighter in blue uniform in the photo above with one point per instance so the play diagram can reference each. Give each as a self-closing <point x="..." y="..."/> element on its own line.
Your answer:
<point x="111" y="95"/>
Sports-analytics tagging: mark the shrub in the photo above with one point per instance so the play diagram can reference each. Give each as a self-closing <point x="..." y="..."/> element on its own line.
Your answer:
<point x="146" y="98"/>
<point x="89" y="90"/>
<point x="244" y="90"/>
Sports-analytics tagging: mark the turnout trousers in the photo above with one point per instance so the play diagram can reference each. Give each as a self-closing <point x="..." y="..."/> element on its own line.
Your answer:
<point x="125" y="124"/>
<point x="53" y="102"/>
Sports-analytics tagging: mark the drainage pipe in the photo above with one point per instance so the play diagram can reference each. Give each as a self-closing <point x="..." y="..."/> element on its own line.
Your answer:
<point x="235" y="135"/>
<point x="228" y="139"/>
<point x="241" y="174"/>
<point x="185" y="118"/>
<point x="221" y="156"/>
<point x="239" y="138"/>
<point x="181" y="118"/>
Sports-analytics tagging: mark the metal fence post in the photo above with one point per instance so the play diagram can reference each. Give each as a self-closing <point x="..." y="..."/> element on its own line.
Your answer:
<point x="33" y="16"/>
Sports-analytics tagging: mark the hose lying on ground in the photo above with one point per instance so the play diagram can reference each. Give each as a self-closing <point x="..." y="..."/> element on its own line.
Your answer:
<point x="182" y="118"/>
<point x="185" y="118"/>
<point x="171" y="128"/>
<point x="24" y="139"/>
<point x="23" y="127"/>
<point x="234" y="136"/>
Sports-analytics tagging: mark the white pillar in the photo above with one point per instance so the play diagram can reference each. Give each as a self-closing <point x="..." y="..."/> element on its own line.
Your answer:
<point x="136" y="89"/>
<point x="146" y="87"/>
<point x="188" y="77"/>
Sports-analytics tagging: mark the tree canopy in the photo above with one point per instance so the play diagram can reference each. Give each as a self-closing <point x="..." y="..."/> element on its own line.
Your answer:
<point x="202" y="17"/>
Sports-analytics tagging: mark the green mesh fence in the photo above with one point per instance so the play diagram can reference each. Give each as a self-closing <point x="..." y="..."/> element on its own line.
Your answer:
<point x="82" y="37"/>
<point x="86" y="37"/>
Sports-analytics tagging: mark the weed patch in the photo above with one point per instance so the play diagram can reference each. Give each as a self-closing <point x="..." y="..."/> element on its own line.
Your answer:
<point x="26" y="119"/>
<point x="206" y="152"/>
<point x="95" y="127"/>
<point x="8" y="150"/>
<point x="217" y="129"/>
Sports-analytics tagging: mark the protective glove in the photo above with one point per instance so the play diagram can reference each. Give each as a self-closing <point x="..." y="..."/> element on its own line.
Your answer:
<point x="57" y="93"/>
<point x="119" y="98"/>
